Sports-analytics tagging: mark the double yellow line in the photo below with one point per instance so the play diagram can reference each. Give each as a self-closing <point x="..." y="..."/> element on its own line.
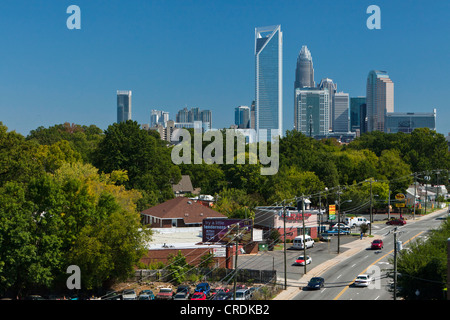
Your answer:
<point x="348" y="285"/>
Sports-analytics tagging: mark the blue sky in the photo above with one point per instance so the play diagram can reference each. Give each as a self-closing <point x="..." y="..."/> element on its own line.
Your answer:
<point x="200" y="53"/>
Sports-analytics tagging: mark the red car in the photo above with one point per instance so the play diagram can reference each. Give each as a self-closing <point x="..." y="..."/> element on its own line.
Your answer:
<point x="198" y="296"/>
<point x="377" y="244"/>
<point x="398" y="222"/>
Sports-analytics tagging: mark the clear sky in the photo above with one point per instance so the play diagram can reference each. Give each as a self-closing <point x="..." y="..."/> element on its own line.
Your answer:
<point x="200" y="53"/>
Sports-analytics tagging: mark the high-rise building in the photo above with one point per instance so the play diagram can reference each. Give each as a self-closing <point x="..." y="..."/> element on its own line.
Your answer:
<point x="340" y="112"/>
<point x="379" y="99"/>
<point x="304" y="73"/>
<point x="355" y="113"/>
<point x="408" y="121"/>
<point x="328" y="84"/>
<point x="311" y="111"/>
<point x="159" y="117"/>
<point x="242" y="117"/>
<point x="187" y="118"/>
<point x="253" y="115"/>
<point x="123" y="106"/>
<point x="269" y="81"/>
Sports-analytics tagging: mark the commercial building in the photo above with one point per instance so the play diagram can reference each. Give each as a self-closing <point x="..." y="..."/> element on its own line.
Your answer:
<point x="159" y="117"/>
<point x="341" y="104"/>
<point x="356" y="103"/>
<point x="408" y="121"/>
<point x="311" y="113"/>
<point x="269" y="82"/>
<point x="123" y="105"/>
<point x="242" y="117"/>
<point x="328" y="84"/>
<point x="304" y="72"/>
<point x="379" y="99"/>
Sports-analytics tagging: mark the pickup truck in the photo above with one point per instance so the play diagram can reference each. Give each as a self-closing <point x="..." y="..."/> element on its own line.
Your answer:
<point x="164" y="294"/>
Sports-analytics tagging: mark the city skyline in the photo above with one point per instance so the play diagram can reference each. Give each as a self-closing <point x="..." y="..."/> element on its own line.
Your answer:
<point x="71" y="75"/>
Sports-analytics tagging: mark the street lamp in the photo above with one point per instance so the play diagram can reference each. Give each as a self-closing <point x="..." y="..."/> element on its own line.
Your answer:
<point x="338" y="202"/>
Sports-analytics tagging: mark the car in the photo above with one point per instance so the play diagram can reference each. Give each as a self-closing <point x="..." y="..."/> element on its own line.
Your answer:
<point x="129" y="294"/>
<point x="398" y="222"/>
<point x="164" y="294"/>
<point x="183" y="295"/>
<point x="146" y="295"/>
<point x="316" y="283"/>
<point x="198" y="296"/>
<point x="336" y="231"/>
<point x="300" y="261"/>
<point x="216" y="290"/>
<point x="341" y="225"/>
<point x="243" y="294"/>
<point x="112" y="295"/>
<point x="325" y="237"/>
<point x="203" y="287"/>
<point x="363" y="280"/>
<point x="184" y="288"/>
<point x="34" y="297"/>
<point x="222" y="295"/>
<point x="377" y="244"/>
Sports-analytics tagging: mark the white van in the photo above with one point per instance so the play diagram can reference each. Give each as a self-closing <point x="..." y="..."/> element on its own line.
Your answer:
<point x="356" y="221"/>
<point x="298" y="242"/>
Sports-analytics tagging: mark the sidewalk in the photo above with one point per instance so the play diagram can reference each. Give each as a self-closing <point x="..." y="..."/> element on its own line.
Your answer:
<point x="293" y="286"/>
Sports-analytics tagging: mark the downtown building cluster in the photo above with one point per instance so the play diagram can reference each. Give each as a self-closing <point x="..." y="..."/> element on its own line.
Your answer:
<point x="320" y="110"/>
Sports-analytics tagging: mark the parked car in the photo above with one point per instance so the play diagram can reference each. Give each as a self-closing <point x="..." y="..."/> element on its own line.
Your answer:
<point x="203" y="287"/>
<point x="363" y="280"/>
<point x="112" y="295"/>
<point x="164" y="294"/>
<point x="298" y="242"/>
<point x="398" y="222"/>
<point x="341" y="225"/>
<point x="183" y="295"/>
<point x="198" y="296"/>
<point x="129" y="294"/>
<point x="146" y="295"/>
<point x="300" y="261"/>
<point x="222" y="295"/>
<point x="243" y="294"/>
<point x="34" y="297"/>
<point x="216" y="290"/>
<point x="336" y="231"/>
<point x="184" y="288"/>
<point x="377" y="244"/>
<point x="316" y="283"/>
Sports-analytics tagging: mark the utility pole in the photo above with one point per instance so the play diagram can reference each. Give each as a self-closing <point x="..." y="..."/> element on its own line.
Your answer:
<point x="238" y="236"/>
<point x="304" y="232"/>
<point x="371" y="208"/>
<point x="339" y="222"/>
<point x="415" y="190"/>
<point x="285" y="263"/>
<point x="389" y="203"/>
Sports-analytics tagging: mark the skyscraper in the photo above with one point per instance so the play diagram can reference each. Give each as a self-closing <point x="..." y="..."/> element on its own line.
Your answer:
<point x="311" y="111"/>
<point x="355" y="113"/>
<point x="242" y="117"/>
<point x="159" y="117"/>
<point x="269" y="83"/>
<point x="340" y="112"/>
<point x="379" y="99"/>
<point x="304" y="73"/>
<point x="123" y="106"/>
<point x="327" y="83"/>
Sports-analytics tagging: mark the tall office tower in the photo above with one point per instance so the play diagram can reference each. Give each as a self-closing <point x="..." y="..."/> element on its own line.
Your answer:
<point x="253" y="115"/>
<point x="194" y="115"/>
<point x="408" y="121"/>
<point x="159" y="117"/>
<point x="327" y="83"/>
<point x="340" y="112"/>
<point x="311" y="111"/>
<point x="363" y="118"/>
<point x="123" y="106"/>
<point x="269" y="82"/>
<point x="182" y="115"/>
<point x="304" y="73"/>
<point x="242" y="117"/>
<point x="379" y="99"/>
<point x="355" y="113"/>
<point x="206" y="118"/>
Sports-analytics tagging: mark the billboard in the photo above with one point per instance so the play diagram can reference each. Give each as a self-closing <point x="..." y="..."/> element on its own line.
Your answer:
<point x="220" y="230"/>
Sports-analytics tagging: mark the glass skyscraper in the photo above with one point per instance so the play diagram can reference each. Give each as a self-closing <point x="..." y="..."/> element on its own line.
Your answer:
<point x="304" y="73"/>
<point x="269" y="83"/>
<point x="242" y="117"/>
<point x="379" y="99"/>
<point x="123" y="106"/>
<point x="311" y="111"/>
<point x="355" y="112"/>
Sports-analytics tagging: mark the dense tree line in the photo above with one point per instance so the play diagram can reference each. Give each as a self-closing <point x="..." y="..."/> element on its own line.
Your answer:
<point x="72" y="194"/>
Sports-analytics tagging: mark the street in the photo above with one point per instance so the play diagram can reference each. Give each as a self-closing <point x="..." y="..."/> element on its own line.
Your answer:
<point x="339" y="277"/>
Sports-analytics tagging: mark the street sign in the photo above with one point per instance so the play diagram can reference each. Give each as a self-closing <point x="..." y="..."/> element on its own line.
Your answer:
<point x="400" y="196"/>
<point x="400" y="205"/>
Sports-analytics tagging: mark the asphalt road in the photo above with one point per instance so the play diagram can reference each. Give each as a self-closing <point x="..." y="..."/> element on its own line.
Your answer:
<point x="339" y="278"/>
